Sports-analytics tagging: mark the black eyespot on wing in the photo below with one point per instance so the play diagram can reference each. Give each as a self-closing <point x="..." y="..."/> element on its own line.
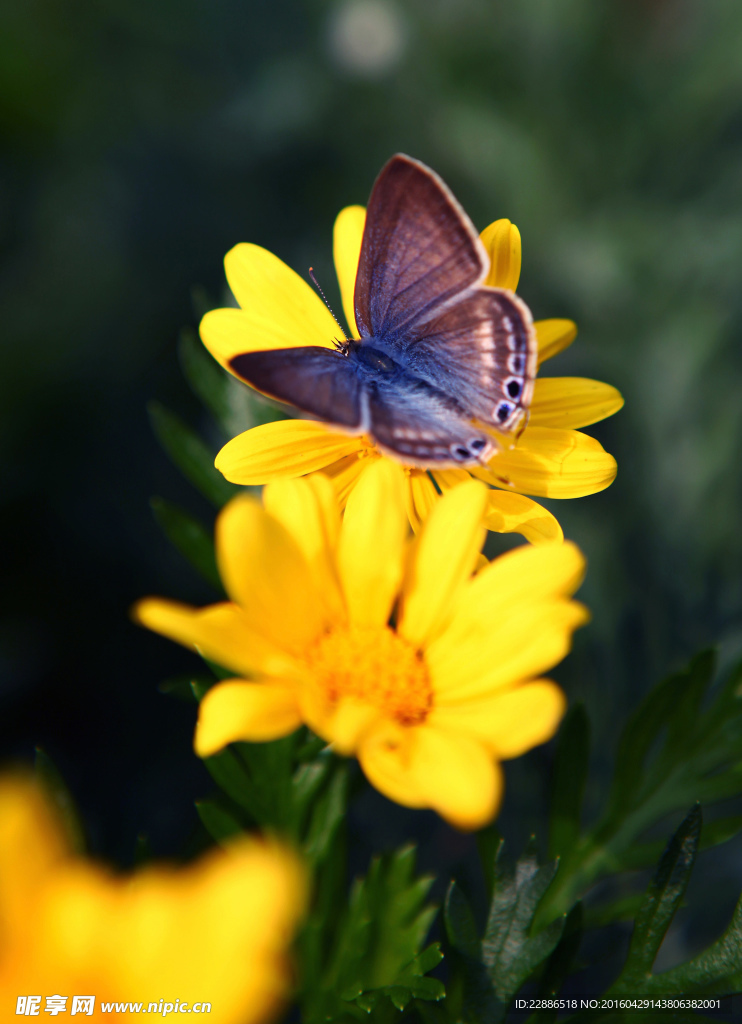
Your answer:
<point x="478" y="444"/>
<point x="504" y="409"/>
<point x="513" y="387"/>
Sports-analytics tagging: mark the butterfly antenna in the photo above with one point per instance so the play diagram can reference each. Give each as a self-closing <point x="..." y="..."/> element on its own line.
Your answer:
<point x="316" y="284"/>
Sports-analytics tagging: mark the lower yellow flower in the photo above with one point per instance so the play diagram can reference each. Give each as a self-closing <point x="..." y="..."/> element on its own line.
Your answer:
<point x="70" y="929"/>
<point x="551" y="458"/>
<point x="429" y="705"/>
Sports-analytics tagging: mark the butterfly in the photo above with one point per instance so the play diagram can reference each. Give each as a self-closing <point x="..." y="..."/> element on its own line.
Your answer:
<point x="444" y="363"/>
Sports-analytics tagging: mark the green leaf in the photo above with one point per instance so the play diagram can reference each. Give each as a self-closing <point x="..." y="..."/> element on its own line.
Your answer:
<point x="235" y="406"/>
<point x="190" y="454"/>
<point x="60" y="797"/>
<point x="376" y="955"/>
<point x="327" y="814"/>
<point x="662" y="899"/>
<point x="570" y="775"/>
<point x="625" y="908"/>
<point x="489" y="842"/>
<point x="185" y="687"/>
<point x="218" y="822"/>
<point x="561" y="961"/>
<point x="479" y="1000"/>
<point x="509" y="950"/>
<point x="231" y="775"/>
<point x="715" y="970"/>
<point x="461" y="928"/>
<point x="190" y="537"/>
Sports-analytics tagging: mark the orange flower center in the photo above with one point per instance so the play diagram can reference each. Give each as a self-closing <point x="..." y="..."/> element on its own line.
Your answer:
<point x="374" y="665"/>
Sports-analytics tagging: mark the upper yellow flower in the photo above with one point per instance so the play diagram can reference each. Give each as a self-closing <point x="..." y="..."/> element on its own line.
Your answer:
<point x="429" y="705"/>
<point x="70" y="928"/>
<point x="551" y="458"/>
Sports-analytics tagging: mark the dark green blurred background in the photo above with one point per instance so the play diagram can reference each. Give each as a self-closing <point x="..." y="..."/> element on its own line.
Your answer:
<point x="141" y="140"/>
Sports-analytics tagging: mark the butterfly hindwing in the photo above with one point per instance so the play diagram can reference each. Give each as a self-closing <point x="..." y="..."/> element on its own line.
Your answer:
<point x="483" y="351"/>
<point x="419" y="251"/>
<point x="422" y="426"/>
<point x="320" y="381"/>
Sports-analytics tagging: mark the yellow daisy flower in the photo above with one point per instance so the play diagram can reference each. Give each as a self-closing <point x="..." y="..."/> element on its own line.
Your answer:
<point x="162" y="934"/>
<point x="430" y="704"/>
<point x="551" y="458"/>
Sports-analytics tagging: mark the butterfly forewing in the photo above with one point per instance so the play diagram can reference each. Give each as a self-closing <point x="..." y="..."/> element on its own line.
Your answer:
<point x="319" y="381"/>
<point x="419" y="251"/>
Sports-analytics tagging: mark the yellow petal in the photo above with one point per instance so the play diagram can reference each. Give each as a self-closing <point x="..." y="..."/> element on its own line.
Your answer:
<point x="280" y="303"/>
<point x="265" y="572"/>
<point x="520" y="576"/>
<point x="470" y="663"/>
<point x="420" y="497"/>
<point x="346" y="248"/>
<point x="515" y="513"/>
<point x="236" y="710"/>
<point x="193" y="931"/>
<point x="446" y="555"/>
<point x="508" y="724"/>
<point x="502" y="242"/>
<point x="222" y="633"/>
<point x="344" y="474"/>
<point x="372" y="542"/>
<point x="572" y="402"/>
<point x="384" y="756"/>
<point x="228" y="332"/>
<point x="508" y="512"/>
<point x="32" y="846"/>
<point x="552" y="463"/>
<point x="455" y="776"/>
<point x="349" y="723"/>
<point x="283" y="448"/>
<point x="307" y="508"/>
<point x="553" y="337"/>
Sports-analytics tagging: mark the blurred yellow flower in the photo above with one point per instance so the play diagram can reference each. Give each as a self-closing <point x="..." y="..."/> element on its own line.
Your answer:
<point x="551" y="458"/>
<point x="429" y="704"/>
<point x="216" y="931"/>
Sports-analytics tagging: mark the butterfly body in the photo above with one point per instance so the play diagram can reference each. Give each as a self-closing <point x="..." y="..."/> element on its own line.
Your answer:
<point x="444" y="364"/>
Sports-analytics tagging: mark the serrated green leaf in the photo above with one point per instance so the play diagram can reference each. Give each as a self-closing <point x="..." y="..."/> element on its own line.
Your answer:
<point x="425" y="961"/>
<point x="561" y="961"/>
<point x="569" y="777"/>
<point x="662" y="899"/>
<point x="190" y="537"/>
<point x="327" y="814"/>
<point x="376" y="949"/>
<point x="50" y="779"/>
<point x="509" y="951"/>
<point x="713" y="970"/>
<point x="218" y="822"/>
<point x="191" y="455"/>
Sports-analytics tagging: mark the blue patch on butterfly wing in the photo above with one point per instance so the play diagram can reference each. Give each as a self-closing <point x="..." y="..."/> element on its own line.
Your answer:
<point x="483" y="352"/>
<point x="319" y="381"/>
<point x="419" y="252"/>
<point x="422" y="426"/>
